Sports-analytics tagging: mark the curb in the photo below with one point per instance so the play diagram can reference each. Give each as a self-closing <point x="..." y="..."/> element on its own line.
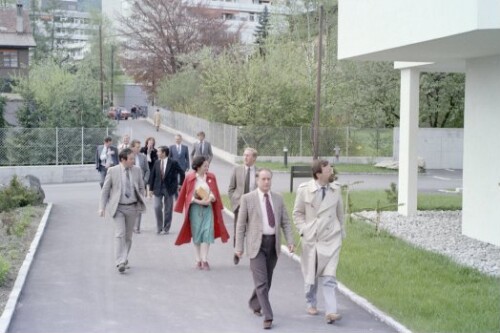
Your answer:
<point x="10" y="307"/>
<point x="360" y="301"/>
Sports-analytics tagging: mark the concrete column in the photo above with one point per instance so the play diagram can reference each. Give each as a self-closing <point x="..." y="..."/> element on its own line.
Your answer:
<point x="408" y="127"/>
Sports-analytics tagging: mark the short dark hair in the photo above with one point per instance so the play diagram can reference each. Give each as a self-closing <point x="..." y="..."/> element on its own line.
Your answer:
<point x="317" y="166"/>
<point x="201" y="133"/>
<point x="135" y="142"/>
<point x="123" y="155"/>
<point x="198" y="162"/>
<point x="164" y="149"/>
<point x="108" y="139"/>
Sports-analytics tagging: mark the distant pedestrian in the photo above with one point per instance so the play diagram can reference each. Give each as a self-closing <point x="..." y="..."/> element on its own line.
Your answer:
<point x="133" y="111"/>
<point x="337" y="152"/>
<point x="261" y="216"/>
<point x="202" y="148"/>
<point x="150" y="151"/>
<point x="122" y="197"/>
<point x="118" y="114"/>
<point x="125" y="143"/>
<point x="319" y="217"/>
<point x="157" y="119"/>
<point x="201" y="203"/>
<point x="242" y="181"/>
<point x="163" y="184"/>
<point x="106" y="156"/>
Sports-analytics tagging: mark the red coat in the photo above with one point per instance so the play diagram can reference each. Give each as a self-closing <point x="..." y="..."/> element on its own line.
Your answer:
<point x="184" y="200"/>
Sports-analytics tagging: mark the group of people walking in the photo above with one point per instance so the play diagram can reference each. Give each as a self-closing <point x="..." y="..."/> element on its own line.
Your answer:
<point x="131" y="172"/>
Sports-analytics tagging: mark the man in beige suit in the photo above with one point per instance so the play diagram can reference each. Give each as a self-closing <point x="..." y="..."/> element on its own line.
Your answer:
<point x="242" y="181"/>
<point x="122" y="197"/>
<point x="319" y="218"/>
<point x="261" y="215"/>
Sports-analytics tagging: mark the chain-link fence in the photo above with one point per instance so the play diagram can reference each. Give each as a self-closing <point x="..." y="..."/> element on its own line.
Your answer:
<point x="270" y="141"/>
<point x="348" y="141"/>
<point x="220" y="135"/>
<point x="50" y="146"/>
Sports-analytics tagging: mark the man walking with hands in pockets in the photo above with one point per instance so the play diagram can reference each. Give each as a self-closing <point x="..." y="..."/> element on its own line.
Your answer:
<point x="319" y="218"/>
<point x="262" y="214"/>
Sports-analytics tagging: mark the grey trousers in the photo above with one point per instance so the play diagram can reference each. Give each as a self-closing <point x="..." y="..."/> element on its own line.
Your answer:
<point x="163" y="206"/>
<point x="102" y="171"/>
<point x="124" y="221"/>
<point x="262" y="267"/>
<point x="329" y="285"/>
<point x="137" y="225"/>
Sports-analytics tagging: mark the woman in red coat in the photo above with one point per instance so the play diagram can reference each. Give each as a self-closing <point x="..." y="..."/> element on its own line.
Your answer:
<point x="202" y="205"/>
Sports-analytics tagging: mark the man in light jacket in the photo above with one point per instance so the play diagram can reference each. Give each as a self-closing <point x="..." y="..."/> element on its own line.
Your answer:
<point x="319" y="218"/>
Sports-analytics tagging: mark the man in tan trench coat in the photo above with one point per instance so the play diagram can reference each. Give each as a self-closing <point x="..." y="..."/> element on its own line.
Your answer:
<point x="318" y="215"/>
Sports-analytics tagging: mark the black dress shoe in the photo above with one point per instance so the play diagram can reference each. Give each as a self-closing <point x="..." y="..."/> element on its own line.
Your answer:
<point x="121" y="267"/>
<point x="236" y="259"/>
<point x="268" y="324"/>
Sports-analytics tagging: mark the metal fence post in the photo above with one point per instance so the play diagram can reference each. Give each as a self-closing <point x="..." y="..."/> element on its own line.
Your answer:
<point x="57" y="146"/>
<point x="107" y="131"/>
<point x="82" y="146"/>
<point x="347" y="142"/>
<point x="300" y="142"/>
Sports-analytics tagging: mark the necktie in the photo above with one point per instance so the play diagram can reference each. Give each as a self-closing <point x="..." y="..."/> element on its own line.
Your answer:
<point x="128" y="185"/>
<point x="247" y="182"/>
<point x="201" y="148"/>
<point x="323" y="189"/>
<point x="270" y="213"/>
<point x="162" y="173"/>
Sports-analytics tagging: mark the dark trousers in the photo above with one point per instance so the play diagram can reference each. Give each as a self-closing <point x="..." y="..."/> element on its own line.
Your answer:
<point x="235" y="221"/>
<point x="163" y="205"/>
<point x="262" y="267"/>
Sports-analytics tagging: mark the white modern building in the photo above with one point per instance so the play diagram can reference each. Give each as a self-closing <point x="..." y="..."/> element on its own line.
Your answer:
<point x="442" y="36"/>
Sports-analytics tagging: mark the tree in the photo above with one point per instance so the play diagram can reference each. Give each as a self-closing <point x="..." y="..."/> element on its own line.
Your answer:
<point x="442" y="99"/>
<point x="160" y="31"/>
<point x="262" y="31"/>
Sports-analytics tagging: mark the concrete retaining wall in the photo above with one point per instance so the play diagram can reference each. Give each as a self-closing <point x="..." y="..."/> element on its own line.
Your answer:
<point x="49" y="174"/>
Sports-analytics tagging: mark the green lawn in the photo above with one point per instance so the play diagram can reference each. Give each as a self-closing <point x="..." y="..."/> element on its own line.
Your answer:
<point x="341" y="168"/>
<point x="424" y="291"/>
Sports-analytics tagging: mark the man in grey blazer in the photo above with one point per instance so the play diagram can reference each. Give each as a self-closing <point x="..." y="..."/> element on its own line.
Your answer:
<point x="260" y="217"/>
<point x="141" y="162"/>
<point x="122" y="197"/>
<point x="202" y="147"/>
<point x="242" y="181"/>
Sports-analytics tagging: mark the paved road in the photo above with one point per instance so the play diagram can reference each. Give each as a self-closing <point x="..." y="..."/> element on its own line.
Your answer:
<point x="73" y="285"/>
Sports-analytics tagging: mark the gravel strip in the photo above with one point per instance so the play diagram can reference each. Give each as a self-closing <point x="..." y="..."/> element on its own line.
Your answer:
<point x="440" y="231"/>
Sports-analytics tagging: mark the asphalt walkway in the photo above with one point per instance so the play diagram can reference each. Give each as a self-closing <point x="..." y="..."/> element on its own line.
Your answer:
<point x="73" y="285"/>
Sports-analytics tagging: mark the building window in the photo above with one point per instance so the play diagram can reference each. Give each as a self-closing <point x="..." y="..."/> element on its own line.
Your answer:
<point x="8" y="58"/>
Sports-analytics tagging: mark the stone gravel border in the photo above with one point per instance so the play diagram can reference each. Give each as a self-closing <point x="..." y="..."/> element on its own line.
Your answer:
<point x="10" y="307"/>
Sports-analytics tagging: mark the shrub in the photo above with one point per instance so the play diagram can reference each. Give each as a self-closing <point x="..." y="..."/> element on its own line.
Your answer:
<point x="16" y="195"/>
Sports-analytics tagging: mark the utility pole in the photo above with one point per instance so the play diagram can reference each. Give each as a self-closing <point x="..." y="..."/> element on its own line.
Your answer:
<point x="101" y="69"/>
<point x="112" y="71"/>
<point x="318" y="88"/>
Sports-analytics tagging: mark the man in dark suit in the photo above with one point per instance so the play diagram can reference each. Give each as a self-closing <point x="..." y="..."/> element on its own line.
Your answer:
<point x="202" y="147"/>
<point x="262" y="214"/>
<point x="180" y="153"/>
<point x="163" y="184"/>
<point x="106" y="156"/>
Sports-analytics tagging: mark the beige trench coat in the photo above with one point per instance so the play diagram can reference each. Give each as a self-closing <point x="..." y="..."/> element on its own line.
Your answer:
<point x="321" y="225"/>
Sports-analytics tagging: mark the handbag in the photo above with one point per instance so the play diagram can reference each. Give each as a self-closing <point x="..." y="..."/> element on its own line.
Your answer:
<point x="201" y="194"/>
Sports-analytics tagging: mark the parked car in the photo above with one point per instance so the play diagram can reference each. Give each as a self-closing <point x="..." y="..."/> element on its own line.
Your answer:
<point x="125" y="114"/>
